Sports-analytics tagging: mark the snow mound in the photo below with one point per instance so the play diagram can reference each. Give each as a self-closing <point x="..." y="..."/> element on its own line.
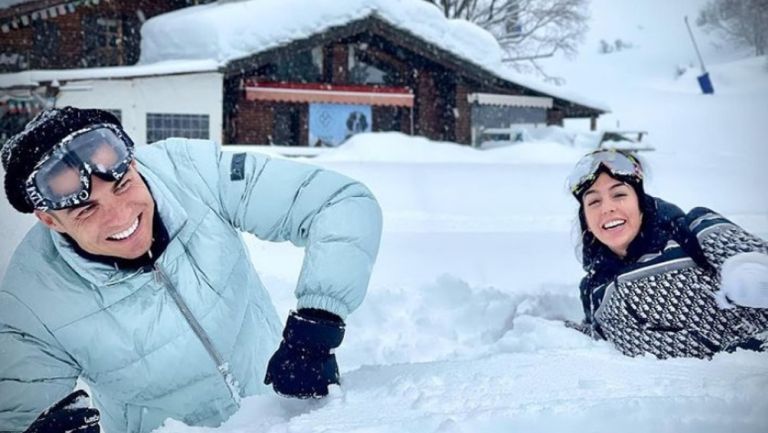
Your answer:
<point x="439" y="321"/>
<point x="398" y="147"/>
<point x="449" y="358"/>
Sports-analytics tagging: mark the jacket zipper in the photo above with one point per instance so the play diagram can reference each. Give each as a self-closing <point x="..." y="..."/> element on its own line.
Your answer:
<point x="221" y="365"/>
<point x="124" y="278"/>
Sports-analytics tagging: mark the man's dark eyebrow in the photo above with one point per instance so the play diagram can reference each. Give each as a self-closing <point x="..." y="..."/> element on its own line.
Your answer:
<point x="77" y="206"/>
<point x="117" y="183"/>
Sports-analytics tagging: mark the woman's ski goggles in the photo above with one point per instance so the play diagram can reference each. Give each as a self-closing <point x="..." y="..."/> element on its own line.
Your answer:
<point x="62" y="178"/>
<point x="586" y="170"/>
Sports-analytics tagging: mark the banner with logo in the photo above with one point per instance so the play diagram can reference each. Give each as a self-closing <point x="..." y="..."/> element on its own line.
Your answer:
<point x="331" y="124"/>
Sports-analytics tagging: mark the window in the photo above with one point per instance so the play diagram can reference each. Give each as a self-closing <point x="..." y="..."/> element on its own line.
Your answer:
<point x="362" y="69"/>
<point x="161" y="126"/>
<point x="109" y="33"/>
<point x="305" y="66"/>
<point x="509" y="121"/>
<point x="103" y="41"/>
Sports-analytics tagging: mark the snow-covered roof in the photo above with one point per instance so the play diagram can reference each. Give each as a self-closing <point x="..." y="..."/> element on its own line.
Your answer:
<point x="230" y="30"/>
<point x="34" y="77"/>
<point x="4" y="4"/>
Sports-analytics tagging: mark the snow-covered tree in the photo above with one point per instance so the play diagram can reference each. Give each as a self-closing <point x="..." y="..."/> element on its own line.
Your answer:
<point x="742" y="22"/>
<point x="526" y="29"/>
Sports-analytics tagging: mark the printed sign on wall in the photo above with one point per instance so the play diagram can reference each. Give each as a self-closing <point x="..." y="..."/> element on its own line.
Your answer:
<point x="331" y="124"/>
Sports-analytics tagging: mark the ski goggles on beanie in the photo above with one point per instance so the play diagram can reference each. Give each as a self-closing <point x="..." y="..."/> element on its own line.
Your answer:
<point x="62" y="178"/>
<point x="616" y="163"/>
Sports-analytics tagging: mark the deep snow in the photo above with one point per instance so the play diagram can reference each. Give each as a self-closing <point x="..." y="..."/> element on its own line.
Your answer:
<point x="462" y="327"/>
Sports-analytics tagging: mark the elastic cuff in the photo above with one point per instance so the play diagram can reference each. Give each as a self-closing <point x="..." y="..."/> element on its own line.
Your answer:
<point x="324" y="302"/>
<point x="306" y="332"/>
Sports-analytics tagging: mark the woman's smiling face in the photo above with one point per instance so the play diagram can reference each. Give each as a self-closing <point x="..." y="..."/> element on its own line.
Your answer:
<point x="612" y="211"/>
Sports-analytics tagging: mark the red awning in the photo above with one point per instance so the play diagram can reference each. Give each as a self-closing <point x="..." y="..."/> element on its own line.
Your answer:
<point x="327" y="93"/>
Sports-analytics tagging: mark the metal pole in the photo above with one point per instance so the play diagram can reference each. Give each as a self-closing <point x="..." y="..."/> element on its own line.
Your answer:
<point x="701" y="61"/>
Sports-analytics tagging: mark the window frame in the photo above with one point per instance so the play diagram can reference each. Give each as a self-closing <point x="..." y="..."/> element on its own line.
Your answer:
<point x="161" y="126"/>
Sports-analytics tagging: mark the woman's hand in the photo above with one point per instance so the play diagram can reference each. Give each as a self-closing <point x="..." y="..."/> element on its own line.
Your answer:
<point x="744" y="281"/>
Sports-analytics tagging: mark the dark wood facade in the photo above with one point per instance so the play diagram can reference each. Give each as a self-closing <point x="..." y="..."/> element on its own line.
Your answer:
<point x="440" y="82"/>
<point x="56" y="34"/>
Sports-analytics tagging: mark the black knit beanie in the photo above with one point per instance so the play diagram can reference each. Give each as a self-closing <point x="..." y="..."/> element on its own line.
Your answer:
<point x="23" y="151"/>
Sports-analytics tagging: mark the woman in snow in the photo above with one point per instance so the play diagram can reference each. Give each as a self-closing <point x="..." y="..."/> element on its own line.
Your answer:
<point x="654" y="273"/>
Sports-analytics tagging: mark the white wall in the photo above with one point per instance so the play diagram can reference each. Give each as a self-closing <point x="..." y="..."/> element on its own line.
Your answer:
<point x="200" y="93"/>
<point x="13" y="227"/>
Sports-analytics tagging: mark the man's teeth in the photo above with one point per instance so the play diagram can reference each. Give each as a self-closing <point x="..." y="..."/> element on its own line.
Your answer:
<point x="127" y="232"/>
<point x="614" y="223"/>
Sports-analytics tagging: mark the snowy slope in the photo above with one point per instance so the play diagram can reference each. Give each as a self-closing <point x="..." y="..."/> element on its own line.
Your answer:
<point x="721" y="136"/>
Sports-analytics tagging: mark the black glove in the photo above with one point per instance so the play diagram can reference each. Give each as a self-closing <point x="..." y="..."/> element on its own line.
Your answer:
<point x="71" y="414"/>
<point x="303" y="366"/>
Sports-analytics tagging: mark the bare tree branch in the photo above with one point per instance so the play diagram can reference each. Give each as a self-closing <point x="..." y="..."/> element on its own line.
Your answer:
<point x="526" y="29"/>
<point x="743" y="23"/>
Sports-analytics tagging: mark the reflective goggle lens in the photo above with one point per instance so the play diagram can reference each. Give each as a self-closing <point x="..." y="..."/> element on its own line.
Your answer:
<point x="584" y="173"/>
<point x="63" y="178"/>
<point x="59" y="180"/>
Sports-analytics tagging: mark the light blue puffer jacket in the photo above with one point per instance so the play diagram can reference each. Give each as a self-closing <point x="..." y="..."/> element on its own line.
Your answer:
<point x="131" y="336"/>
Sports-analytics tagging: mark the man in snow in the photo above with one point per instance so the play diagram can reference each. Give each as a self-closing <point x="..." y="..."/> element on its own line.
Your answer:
<point x="137" y="281"/>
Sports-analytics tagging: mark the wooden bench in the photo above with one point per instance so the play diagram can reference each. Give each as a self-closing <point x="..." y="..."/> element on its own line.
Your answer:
<point x="630" y="141"/>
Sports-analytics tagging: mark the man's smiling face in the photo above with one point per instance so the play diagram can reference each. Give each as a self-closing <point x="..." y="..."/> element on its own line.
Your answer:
<point x="116" y="221"/>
